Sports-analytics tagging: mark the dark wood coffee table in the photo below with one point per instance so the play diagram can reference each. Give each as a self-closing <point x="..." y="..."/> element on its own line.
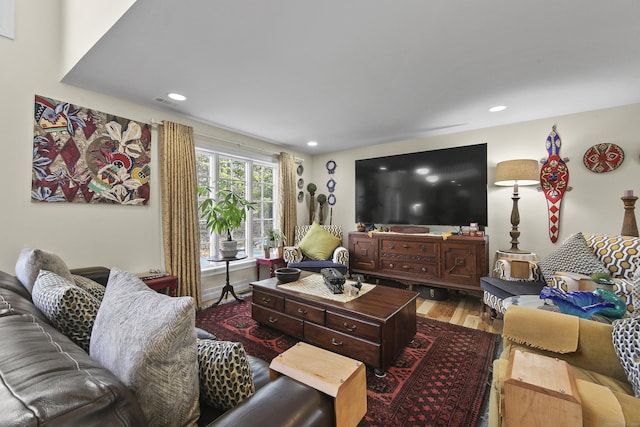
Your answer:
<point x="374" y="328"/>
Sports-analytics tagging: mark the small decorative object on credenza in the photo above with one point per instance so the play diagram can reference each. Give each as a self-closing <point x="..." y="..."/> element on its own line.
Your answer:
<point x="516" y="172"/>
<point x="629" y="225"/>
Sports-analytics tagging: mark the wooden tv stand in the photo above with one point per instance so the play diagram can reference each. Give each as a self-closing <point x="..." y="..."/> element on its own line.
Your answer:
<point x="455" y="263"/>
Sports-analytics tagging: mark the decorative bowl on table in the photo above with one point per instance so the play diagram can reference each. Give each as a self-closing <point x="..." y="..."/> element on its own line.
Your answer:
<point x="288" y="274"/>
<point x="577" y="303"/>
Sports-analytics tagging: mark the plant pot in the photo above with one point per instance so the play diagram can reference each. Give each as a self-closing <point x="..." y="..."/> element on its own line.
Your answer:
<point x="228" y="248"/>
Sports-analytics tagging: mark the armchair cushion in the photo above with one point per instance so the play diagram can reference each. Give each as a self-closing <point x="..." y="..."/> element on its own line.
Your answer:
<point x="573" y="256"/>
<point x="318" y="244"/>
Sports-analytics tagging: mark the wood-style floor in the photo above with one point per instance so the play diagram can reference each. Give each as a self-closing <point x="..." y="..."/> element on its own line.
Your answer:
<point x="460" y="309"/>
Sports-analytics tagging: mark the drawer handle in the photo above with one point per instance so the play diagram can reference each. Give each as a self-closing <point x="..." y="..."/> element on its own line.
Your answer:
<point x="390" y="245"/>
<point x="266" y="300"/>
<point x="424" y="269"/>
<point x="406" y="267"/>
<point x="301" y="311"/>
<point x="422" y="248"/>
<point x="405" y="246"/>
<point x="336" y="343"/>
<point x="273" y="319"/>
<point x="350" y="328"/>
<point x="390" y="265"/>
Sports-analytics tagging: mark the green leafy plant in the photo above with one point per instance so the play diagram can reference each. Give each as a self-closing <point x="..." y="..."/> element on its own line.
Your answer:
<point x="224" y="213"/>
<point x="277" y="237"/>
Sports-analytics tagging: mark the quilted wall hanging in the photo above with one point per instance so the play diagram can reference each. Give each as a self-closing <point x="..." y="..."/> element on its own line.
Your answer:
<point x="86" y="156"/>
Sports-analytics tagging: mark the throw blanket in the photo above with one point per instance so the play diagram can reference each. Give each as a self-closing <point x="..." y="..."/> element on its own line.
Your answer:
<point x="536" y="328"/>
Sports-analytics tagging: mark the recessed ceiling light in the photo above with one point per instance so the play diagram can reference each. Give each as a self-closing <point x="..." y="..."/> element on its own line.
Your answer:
<point x="312" y="143"/>
<point x="497" y="108"/>
<point x="177" y="97"/>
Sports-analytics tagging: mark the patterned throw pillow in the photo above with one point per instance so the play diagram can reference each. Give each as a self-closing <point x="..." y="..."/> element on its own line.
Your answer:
<point x="93" y="287"/>
<point x="148" y="340"/>
<point x="31" y="261"/>
<point x="318" y="243"/>
<point x="70" y="309"/>
<point x="626" y="341"/>
<point x="573" y="256"/>
<point x="225" y="374"/>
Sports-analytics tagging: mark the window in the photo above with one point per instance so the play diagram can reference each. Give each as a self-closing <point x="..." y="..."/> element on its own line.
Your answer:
<point x="239" y="173"/>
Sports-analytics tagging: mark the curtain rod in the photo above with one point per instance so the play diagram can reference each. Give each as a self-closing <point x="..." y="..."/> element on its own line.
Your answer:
<point x="239" y="144"/>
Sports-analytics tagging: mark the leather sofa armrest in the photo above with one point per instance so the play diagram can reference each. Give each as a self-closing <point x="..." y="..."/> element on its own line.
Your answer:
<point x="281" y="403"/>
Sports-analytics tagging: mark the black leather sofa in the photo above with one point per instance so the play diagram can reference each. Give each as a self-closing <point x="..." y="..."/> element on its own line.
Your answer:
<point x="46" y="379"/>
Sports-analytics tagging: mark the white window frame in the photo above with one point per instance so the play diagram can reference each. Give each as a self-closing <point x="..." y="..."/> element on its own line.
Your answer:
<point x="250" y="160"/>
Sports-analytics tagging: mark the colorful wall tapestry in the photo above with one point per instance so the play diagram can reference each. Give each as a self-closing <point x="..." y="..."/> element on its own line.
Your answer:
<point x="86" y="156"/>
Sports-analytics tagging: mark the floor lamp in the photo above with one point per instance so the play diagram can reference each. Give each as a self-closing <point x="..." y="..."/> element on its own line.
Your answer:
<point x="516" y="172"/>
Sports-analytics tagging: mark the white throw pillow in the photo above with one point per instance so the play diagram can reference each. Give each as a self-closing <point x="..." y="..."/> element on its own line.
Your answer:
<point x="148" y="341"/>
<point x="626" y="341"/>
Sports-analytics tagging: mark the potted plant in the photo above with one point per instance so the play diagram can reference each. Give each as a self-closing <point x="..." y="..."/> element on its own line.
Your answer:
<point x="224" y="214"/>
<point x="277" y="239"/>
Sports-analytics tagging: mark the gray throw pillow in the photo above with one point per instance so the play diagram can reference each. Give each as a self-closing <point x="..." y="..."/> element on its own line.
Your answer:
<point x="573" y="256"/>
<point x="148" y="341"/>
<point x="31" y="261"/>
<point x="69" y="308"/>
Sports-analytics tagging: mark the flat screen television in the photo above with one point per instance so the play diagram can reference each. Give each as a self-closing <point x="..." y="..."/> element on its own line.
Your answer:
<point x="437" y="187"/>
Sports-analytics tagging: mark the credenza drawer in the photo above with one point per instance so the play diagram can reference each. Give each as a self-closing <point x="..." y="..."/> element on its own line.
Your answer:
<point x="405" y="268"/>
<point x="277" y="320"/>
<point x="354" y="327"/>
<point x="304" y="311"/>
<point x="408" y="247"/>
<point x="349" y="346"/>
<point x="268" y="300"/>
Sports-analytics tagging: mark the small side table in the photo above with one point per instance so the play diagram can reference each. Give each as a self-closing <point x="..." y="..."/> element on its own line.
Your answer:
<point x="163" y="282"/>
<point x="228" y="288"/>
<point x="340" y="377"/>
<point x="271" y="262"/>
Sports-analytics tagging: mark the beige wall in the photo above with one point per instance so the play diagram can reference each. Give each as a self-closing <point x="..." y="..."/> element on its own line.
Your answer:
<point x="593" y="205"/>
<point x="130" y="237"/>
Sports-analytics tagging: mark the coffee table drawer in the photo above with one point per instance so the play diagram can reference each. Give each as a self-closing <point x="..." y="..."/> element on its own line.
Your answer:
<point x="340" y="343"/>
<point x="354" y="327"/>
<point x="268" y="300"/>
<point x="304" y="311"/>
<point x="280" y="321"/>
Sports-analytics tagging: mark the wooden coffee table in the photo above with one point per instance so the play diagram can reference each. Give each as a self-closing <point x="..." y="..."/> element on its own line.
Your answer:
<point x="373" y="328"/>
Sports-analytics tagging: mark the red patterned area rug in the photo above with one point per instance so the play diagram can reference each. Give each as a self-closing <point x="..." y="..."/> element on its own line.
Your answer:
<point x="440" y="379"/>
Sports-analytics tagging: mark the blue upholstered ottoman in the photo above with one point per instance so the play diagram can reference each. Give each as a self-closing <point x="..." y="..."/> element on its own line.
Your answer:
<point x="496" y="290"/>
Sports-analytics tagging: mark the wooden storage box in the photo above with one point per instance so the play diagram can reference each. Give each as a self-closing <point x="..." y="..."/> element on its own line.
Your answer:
<point x="340" y="377"/>
<point x="540" y="391"/>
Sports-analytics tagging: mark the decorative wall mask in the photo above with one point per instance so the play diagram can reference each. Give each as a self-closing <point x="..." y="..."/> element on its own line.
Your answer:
<point x="554" y="178"/>
<point x="86" y="156"/>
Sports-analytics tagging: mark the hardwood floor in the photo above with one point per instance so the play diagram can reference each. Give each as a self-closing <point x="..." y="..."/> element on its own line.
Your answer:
<point x="461" y="309"/>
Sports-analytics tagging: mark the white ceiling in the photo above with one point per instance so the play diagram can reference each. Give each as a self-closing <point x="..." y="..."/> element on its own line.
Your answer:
<point x="351" y="73"/>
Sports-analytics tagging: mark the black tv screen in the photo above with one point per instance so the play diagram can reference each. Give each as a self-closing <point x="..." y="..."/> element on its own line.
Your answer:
<point x="437" y="187"/>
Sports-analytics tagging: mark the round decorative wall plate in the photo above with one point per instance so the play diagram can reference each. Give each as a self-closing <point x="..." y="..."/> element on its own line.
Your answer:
<point x="300" y="170"/>
<point x="603" y="157"/>
<point x="300" y="183"/>
<point x="300" y="196"/>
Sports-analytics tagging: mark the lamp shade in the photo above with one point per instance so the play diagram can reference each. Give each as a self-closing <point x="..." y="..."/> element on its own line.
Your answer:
<point x="520" y="171"/>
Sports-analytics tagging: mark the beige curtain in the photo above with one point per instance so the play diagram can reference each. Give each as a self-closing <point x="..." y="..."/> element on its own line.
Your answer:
<point x="179" y="207"/>
<point x="288" y="196"/>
